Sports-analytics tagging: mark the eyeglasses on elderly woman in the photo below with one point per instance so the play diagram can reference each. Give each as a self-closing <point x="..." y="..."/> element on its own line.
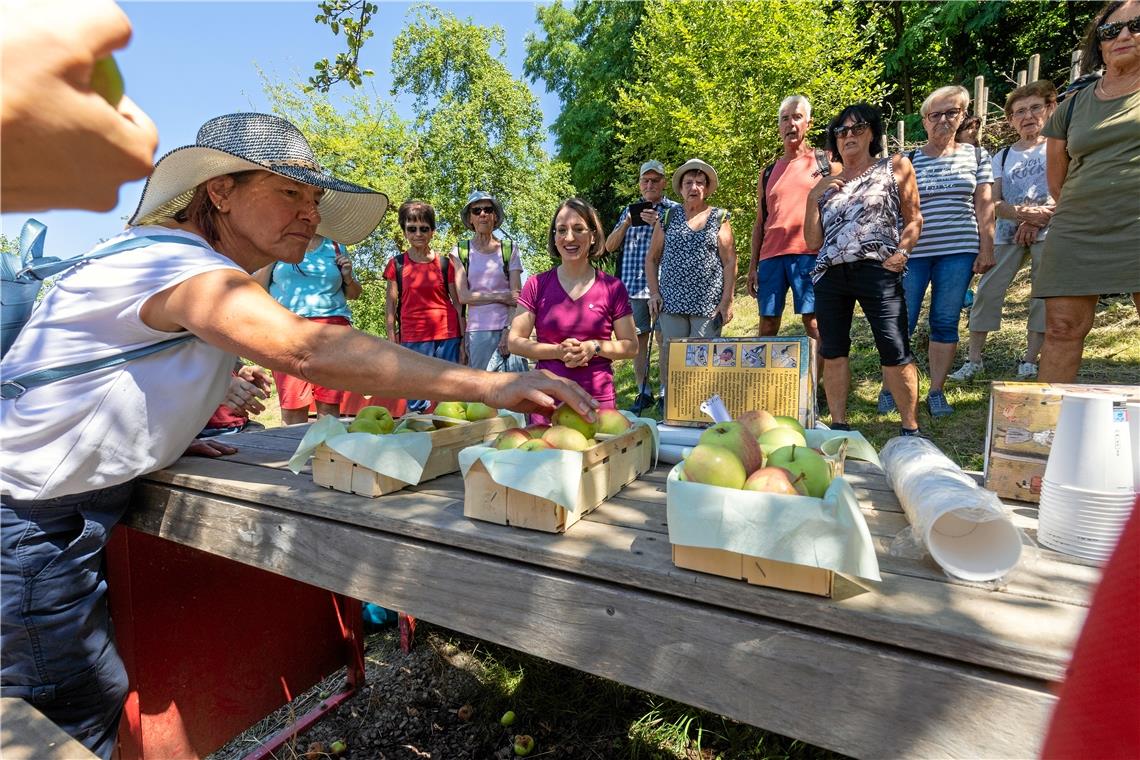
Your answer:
<point x="481" y="210"/>
<point x="854" y="129"/>
<point x="948" y="115"/>
<point x="1106" y="32"/>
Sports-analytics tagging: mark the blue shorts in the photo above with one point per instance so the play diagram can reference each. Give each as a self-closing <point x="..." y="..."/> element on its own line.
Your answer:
<point x="948" y="276"/>
<point x="446" y="349"/>
<point x="775" y="275"/>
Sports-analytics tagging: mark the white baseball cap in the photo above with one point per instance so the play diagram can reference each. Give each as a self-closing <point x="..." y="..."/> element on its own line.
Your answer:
<point x="651" y="166"/>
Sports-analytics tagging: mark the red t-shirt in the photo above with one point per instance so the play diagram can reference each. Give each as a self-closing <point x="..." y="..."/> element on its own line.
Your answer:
<point x="788" y="189"/>
<point x="426" y="311"/>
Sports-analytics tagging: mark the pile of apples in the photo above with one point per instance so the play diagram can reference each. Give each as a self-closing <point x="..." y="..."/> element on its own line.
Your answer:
<point x="758" y="452"/>
<point x="568" y="431"/>
<point x="379" y="421"/>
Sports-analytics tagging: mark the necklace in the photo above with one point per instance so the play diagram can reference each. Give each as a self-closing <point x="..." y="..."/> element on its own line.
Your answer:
<point x="1129" y="87"/>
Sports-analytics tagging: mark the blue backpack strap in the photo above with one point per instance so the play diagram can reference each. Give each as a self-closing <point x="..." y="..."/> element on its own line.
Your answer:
<point x="41" y="267"/>
<point x="11" y="389"/>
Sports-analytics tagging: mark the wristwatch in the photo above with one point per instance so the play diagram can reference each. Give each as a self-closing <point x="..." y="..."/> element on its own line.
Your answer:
<point x="597" y="348"/>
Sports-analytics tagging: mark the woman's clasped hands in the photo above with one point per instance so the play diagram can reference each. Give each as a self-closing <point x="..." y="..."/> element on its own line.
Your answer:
<point x="576" y="353"/>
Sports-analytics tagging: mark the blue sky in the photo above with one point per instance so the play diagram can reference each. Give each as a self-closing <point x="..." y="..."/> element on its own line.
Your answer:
<point x="190" y="61"/>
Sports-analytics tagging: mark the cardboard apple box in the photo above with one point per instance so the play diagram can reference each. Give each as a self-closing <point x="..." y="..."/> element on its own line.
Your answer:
<point x="796" y="543"/>
<point x="1019" y="433"/>
<point x="561" y="486"/>
<point x="334" y="470"/>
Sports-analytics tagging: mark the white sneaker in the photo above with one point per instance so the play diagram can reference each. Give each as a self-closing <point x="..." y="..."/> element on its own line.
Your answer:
<point x="967" y="372"/>
<point x="1026" y="371"/>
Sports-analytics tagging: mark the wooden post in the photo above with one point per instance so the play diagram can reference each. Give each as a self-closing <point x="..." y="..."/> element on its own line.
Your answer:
<point x="900" y="129"/>
<point x="983" y="107"/>
<point x="1075" y="66"/>
<point x="979" y="93"/>
<point x="1021" y="78"/>
<point x="1034" y="67"/>
<point x="883" y="142"/>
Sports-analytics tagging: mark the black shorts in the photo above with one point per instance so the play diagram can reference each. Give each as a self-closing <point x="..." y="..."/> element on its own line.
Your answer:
<point x="879" y="292"/>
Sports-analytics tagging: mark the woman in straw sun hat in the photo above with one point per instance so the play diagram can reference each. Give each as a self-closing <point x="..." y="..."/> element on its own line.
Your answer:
<point x="691" y="263"/>
<point x="247" y="194"/>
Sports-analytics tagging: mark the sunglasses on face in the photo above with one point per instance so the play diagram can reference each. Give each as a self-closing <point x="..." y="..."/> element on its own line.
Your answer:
<point x="937" y="116"/>
<point x="1035" y="110"/>
<point x="481" y="210"/>
<point x="1106" y="32"/>
<point x="855" y="129"/>
<point x="411" y="229"/>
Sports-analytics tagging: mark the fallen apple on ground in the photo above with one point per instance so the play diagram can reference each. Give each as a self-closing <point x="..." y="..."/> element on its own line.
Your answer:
<point x="508" y="718"/>
<point x="524" y="745"/>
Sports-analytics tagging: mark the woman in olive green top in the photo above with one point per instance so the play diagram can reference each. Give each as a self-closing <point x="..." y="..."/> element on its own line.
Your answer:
<point x="1093" y="167"/>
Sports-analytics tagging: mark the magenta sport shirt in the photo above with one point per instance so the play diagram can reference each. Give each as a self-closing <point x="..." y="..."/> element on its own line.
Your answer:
<point x="592" y="317"/>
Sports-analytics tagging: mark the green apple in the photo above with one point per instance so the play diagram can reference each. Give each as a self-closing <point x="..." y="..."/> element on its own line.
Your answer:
<point x="508" y="718"/>
<point x="338" y="748"/>
<point x="477" y="410"/>
<point x="376" y="427"/>
<point x="736" y="438"/>
<point x="455" y="410"/>
<point x="107" y="80"/>
<point x="374" y="413"/>
<point x="775" y="480"/>
<point x="511" y="439"/>
<point x="789" y="422"/>
<point x="567" y="417"/>
<point x="535" y="444"/>
<point x="757" y="422"/>
<point x="714" y="466"/>
<point x="536" y="431"/>
<point x="524" y="745"/>
<point x="778" y="438"/>
<point x="612" y="422"/>
<point x="566" y="438"/>
<point x="800" y="460"/>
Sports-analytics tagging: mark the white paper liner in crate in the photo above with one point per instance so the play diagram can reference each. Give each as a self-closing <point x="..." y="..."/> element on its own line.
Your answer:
<point x="552" y="474"/>
<point x="829" y="533"/>
<point x="828" y="440"/>
<point x="401" y="456"/>
<point x="964" y="527"/>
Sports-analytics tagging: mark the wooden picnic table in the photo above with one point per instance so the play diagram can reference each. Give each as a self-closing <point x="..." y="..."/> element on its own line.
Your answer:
<point x="917" y="665"/>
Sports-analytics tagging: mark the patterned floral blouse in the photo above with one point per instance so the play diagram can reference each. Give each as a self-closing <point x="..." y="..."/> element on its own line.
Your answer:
<point x="691" y="275"/>
<point x="860" y="220"/>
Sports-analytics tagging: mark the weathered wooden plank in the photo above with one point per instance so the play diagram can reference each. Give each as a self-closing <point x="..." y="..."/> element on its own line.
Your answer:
<point x="1032" y="637"/>
<point x="26" y="734"/>
<point x="828" y="689"/>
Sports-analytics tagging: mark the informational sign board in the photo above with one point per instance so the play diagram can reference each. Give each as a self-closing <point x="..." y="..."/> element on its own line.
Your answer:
<point x="775" y="374"/>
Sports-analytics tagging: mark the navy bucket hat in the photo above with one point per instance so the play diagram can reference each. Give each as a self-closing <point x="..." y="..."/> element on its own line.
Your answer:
<point x="243" y="141"/>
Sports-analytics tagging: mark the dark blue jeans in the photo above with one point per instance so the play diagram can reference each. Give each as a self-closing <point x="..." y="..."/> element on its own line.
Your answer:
<point x="56" y="646"/>
<point x="446" y="349"/>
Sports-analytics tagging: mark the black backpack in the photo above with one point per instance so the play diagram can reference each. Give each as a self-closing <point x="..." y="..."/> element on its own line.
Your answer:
<point x="821" y="162"/>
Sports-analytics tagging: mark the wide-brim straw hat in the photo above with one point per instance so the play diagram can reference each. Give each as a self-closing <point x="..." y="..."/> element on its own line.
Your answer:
<point x="240" y="142"/>
<point x="688" y="166"/>
<point x="475" y="197"/>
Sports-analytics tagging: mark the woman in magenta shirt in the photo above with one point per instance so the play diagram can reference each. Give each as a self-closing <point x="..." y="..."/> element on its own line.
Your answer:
<point x="581" y="316"/>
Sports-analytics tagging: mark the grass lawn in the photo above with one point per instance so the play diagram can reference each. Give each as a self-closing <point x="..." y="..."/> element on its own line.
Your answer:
<point x="636" y="725"/>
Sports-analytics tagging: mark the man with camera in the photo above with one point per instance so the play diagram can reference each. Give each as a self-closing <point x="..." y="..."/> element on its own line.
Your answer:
<point x="631" y="235"/>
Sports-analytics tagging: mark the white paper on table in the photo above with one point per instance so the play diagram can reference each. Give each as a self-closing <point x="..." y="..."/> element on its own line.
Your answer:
<point x="858" y="447"/>
<point x="399" y="456"/>
<point x="550" y="474"/>
<point x="829" y="533"/>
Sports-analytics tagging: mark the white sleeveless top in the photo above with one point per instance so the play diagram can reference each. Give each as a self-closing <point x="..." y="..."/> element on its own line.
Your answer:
<point x="111" y="425"/>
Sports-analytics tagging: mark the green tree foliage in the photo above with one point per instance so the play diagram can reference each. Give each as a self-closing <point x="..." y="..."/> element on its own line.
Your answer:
<point x="477" y="127"/>
<point x="711" y="78"/>
<point x="925" y="45"/>
<point x="352" y="17"/>
<point x="584" y="57"/>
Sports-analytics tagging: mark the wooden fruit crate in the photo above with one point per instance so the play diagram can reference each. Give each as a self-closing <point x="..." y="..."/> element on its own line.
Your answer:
<point x="756" y="570"/>
<point x="332" y="470"/>
<point x="606" y="469"/>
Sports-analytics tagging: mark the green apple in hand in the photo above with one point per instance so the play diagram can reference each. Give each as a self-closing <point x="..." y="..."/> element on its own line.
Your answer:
<point x="567" y="416"/>
<point x="107" y="80"/>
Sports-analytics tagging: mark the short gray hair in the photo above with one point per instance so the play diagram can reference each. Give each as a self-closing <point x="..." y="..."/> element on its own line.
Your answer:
<point x="949" y="91"/>
<point x="795" y="100"/>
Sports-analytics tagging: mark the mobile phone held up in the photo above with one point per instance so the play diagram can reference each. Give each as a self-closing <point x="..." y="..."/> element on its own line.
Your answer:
<point x="635" y="210"/>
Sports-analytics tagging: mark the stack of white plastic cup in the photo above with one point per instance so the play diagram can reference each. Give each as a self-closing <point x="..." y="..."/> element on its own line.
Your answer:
<point x="1091" y="478"/>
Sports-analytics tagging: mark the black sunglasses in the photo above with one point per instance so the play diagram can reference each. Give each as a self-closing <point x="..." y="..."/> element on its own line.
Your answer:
<point x="1106" y="32"/>
<point x="421" y="228"/>
<point x="480" y="210"/>
<point x="855" y="129"/>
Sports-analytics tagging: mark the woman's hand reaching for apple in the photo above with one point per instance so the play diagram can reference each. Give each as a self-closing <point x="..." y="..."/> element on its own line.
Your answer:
<point x="536" y="392"/>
